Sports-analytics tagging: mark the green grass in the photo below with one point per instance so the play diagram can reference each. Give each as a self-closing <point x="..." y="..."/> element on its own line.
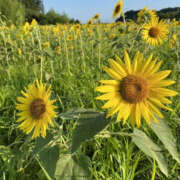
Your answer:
<point x="74" y="74"/>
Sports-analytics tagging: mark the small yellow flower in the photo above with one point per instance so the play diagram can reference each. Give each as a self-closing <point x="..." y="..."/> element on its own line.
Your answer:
<point x="70" y="37"/>
<point x="36" y="109"/>
<point x="58" y="50"/>
<point x="19" y="52"/>
<point x="71" y="47"/>
<point x="90" y="21"/>
<point x="55" y="30"/>
<point x="173" y="40"/>
<point x="112" y="36"/>
<point x="34" y="23"/>
<point x="46" y="45"/>
<point x="96" y="16"/>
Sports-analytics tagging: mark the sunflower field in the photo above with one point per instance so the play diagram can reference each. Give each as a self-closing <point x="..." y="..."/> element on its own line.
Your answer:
<point x="91" y="101"/>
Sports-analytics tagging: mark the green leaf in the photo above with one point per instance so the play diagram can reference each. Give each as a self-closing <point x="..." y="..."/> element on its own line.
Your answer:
<point x="40" y="143"/>
<point x="73" y="167"/>
<point x="150" y="148"/>
<point x="48" y="158"/>
<point x="48" y="154"/>
<point x="50" y="52"/>
<point x="89" y="124"/>
<point x="164" y="134"/>
<point x="75" y="113"/>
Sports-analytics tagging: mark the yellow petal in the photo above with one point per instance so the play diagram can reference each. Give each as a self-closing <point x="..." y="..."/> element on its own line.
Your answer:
<point x="137" y="115"/>
<point x="155" y="109"/>
<point x="160" y="75"/>
<point x="107" y="88"/>
<point x="164" y="91"/>
<point x="113" y="73"/>
<point x="110" y="82"/>
<point x="135" y="61"/>
<point x="146" y="64"/>
<point x="113" y="111"/>
<point x="145" y="112"/>
<point x="164" y="83"/>
<point x="158" y="103"/>
<point x="117" y="67"/>
<point x="127" y="62"/>
<point x="105" y="96"/>
<point x="155" y="68"/>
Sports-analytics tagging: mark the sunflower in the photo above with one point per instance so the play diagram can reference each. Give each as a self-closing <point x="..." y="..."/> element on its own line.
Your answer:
<point x="36" y="109"/>
<point x="145" y="15"/>
<point x="137" y="89"/>
<point x="118" y="9"/>
<point x="90" y="21"/>
<point x="155" y="32"/>
<point x="96" y="16"/>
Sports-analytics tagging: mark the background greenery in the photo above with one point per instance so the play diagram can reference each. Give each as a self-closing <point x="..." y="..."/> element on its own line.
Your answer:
<point x="19" y="11"/>
<point x="70" y="58"/>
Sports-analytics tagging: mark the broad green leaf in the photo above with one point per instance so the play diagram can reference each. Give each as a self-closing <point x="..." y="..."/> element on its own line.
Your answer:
<point x="48" y="158"/>
<point x="40" y="143"/>
<point x="75" y="113"/>
<point x="89" y="124"/>
<point x="150" y="148"/>
<point x="50" y="52"/>
<point x="73" y="167"/>
<point x="48" y="154"/>
<point x="164" y="134"/>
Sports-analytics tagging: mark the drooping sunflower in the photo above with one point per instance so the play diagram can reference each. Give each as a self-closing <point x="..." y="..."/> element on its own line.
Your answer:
<point x="36" y="108"/>
<point x="155" y="32"/>
<point x="96" y="16"/>
<point x="118" y="9"/>
<point x="145" y="15"/>
<point x="137" y="89"/>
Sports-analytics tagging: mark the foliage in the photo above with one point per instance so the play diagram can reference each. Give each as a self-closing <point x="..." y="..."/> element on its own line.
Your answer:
<point x="52" y="17"/>
<point x="33" y="8"/>
<point x="166" y="13"/>
<point x="71" y="59"/>
<point x="12" y="11"/>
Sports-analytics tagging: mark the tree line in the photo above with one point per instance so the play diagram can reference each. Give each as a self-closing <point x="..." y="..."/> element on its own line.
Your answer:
<point x="166" y="13"/>
<point x="18" y="11"/>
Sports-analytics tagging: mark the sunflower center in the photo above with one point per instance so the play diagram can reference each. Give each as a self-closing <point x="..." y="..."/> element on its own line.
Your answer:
<point x="117" y="9"/>
<point x="37" y="108"/>
<point x="133" y="89"/>
<point x="154" y="32"/>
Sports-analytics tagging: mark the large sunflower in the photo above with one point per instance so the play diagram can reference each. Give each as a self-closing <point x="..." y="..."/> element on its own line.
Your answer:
<point x="36" y="109"/>
<point x="155" y="32"/>
<point x="145" y="15"/>
<point x="138" y="89"/>
<point x="118" y="9"/>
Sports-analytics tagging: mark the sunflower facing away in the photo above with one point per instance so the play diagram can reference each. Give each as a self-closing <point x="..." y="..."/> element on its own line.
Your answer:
<point x="155" y="32"/>
<point x="137" y="89"/>
<point x="145" y="15"/>
<point x="36" y="109"/>
<point x="118" y="9"/>
<point x="96" y="16"/>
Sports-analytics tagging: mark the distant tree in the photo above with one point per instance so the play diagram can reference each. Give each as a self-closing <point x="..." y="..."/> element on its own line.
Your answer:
<point x="74" y="21"/>
<point x="12" y="11"/>
<point x="52" y="17"/>
<point x="33" y="9"/>
<point x="166" y="13"/>
<point x="169" y="13"/>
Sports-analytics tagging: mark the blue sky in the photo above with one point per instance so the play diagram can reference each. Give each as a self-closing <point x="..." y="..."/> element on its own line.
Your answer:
<point x="85" y="9"/>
